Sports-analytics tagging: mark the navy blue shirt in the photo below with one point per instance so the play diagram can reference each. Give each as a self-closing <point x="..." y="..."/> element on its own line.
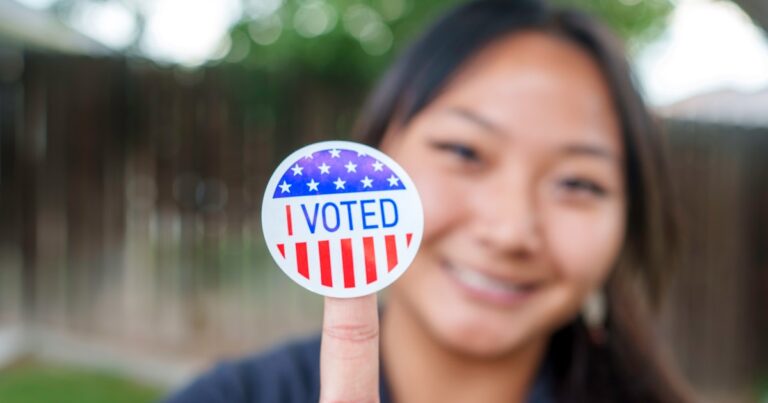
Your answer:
<point x="287" y="374"/>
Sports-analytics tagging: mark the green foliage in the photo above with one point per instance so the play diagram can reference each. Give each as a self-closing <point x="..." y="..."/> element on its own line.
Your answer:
<point x="341" y="52"/>
<point x="637" y="21"/>
<point x="352" y="41"/>
<point x="360" y="37"/>
<point x="36" y="383"/>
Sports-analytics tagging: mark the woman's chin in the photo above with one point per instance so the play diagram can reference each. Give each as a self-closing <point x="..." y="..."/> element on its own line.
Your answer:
<point x="473" y="338"/>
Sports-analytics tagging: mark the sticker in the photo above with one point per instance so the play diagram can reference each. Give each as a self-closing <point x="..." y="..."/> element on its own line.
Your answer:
<point x="342" y="219"/>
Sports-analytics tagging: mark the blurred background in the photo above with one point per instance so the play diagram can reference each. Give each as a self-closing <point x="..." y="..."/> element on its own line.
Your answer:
<point x="136" y="137"/>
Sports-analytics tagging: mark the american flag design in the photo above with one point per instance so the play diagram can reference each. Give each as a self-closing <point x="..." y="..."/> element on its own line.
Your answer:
<point x="342" y="219"/>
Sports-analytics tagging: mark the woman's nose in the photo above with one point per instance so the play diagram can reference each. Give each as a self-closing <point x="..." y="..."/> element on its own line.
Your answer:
<point x="508" y="219"/>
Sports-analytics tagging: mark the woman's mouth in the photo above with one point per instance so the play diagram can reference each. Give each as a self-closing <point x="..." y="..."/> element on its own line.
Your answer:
<point x="486" y="288"/>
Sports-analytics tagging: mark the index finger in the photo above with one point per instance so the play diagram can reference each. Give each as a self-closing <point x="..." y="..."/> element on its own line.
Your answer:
<point x="349" y="354"/>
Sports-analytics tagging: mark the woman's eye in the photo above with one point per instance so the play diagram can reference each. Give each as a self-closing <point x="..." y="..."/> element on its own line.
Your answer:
<point x="462" y="151"/>
<point x="578" y="185"/>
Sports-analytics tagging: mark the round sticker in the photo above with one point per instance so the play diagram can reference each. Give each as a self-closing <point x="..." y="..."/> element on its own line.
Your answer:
<point x="342" y="219"/>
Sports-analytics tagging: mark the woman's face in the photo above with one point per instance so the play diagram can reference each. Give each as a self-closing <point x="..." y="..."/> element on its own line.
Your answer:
<point x="519" y="166"/>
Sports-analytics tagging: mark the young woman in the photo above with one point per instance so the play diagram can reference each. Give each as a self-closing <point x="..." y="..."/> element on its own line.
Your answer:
<point x="548" y="230"/>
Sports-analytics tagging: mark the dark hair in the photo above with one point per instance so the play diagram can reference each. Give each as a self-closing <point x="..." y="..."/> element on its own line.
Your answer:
<point x="627" y="366"/>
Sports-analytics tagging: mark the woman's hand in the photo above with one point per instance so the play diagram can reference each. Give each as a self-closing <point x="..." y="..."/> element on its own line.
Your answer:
<point x="349" y="356"/>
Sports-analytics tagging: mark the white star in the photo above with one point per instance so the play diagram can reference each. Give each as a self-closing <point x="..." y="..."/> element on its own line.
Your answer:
<point x="324" y="169"/>
<point x="361" y="154"/>
<point x="285" y="187"/>
<point x="312" y="185"/>
<point x="351" y="167"/>
<point x="309" y="156"/>
<point x="297" y="170"/>
<point x="393" y="180"/>
<point x="366" y="182"/>
<point x="339" y="183"/>
<point x="377" y="166"/>
<point x="334" y="153"/>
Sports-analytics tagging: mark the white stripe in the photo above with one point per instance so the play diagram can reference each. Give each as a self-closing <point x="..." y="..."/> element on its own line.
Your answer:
<point x="313" y="258"/>
<point x="381" y="257"/>
<point x="358" y="256"/>
<point x="402" y="248"/>
<point x="290" y="255"/>
<point x="337" y="270"/>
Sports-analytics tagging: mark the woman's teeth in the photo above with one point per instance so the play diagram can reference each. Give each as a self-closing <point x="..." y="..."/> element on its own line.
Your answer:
<point x="476" y="280"/>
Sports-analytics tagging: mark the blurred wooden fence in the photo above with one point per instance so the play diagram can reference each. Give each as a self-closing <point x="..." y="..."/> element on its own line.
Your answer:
<point x="129" y="203"/>
<point x="717" y="316"/>
<point x="129" y="199"/>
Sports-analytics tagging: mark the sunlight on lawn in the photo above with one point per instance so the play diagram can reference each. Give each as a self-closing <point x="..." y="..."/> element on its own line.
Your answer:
<point x="34" y="382"/>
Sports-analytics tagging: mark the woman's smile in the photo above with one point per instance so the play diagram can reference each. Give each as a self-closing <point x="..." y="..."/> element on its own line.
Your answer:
<point x="493" y="289"/>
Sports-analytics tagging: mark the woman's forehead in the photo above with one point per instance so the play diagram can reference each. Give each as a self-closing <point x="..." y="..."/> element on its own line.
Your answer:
<point x="525" y="48"/>
<point x="533" y="61"/>
<point x="534" y="82"/>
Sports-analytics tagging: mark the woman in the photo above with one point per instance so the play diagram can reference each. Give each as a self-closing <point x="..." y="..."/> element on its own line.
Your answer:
<point x="548" y="231"/>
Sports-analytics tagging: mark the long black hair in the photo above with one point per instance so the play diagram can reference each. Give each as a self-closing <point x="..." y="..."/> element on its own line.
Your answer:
<point x="627" y="366"/>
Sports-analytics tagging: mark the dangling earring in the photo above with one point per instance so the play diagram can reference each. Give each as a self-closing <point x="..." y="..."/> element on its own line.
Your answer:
<point x="594" y="311"/>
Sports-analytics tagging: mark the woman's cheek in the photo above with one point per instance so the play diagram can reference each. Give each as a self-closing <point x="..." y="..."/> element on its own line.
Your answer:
<point x="585" y="244"/>
<point x="441" y="198"/>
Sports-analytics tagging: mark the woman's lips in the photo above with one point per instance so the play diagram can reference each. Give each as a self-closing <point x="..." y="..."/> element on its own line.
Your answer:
<point x="487" y="288"/>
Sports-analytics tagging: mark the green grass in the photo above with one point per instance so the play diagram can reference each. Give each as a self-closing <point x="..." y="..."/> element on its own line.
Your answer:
<point x="762" y="390"/>
<point x="34" y="382"/>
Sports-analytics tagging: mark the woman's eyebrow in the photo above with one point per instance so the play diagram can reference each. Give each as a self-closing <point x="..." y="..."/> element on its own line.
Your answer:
<point x="475" y="118"/>
<point x="589" y="150"/>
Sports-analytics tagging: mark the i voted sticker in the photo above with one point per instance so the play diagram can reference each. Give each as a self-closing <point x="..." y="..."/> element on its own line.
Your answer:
<point x="342" y="219"/>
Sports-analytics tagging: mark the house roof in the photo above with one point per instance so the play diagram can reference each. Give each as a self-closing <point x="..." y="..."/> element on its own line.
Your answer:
<point x="723" y="107"/>
<point x="20" y="25"/>
<point x="758" y="10"/>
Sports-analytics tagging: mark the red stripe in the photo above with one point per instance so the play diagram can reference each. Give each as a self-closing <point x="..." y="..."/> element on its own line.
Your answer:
<point x="289" y="222"/>
<point x="391" y="252"/>
<point x="301" y="259"/>
<point x="281" y="248"/>
<point x="325" y="264"/>
<point x="408" y="237"/>
<point x="347" y="263"/>
<point x="370" y="259"/>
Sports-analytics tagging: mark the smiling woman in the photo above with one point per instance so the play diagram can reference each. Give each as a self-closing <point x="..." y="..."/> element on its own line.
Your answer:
<point x="548" y="229"/>
<point x="525" y="143"/>
<point x="542" y="179"/>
